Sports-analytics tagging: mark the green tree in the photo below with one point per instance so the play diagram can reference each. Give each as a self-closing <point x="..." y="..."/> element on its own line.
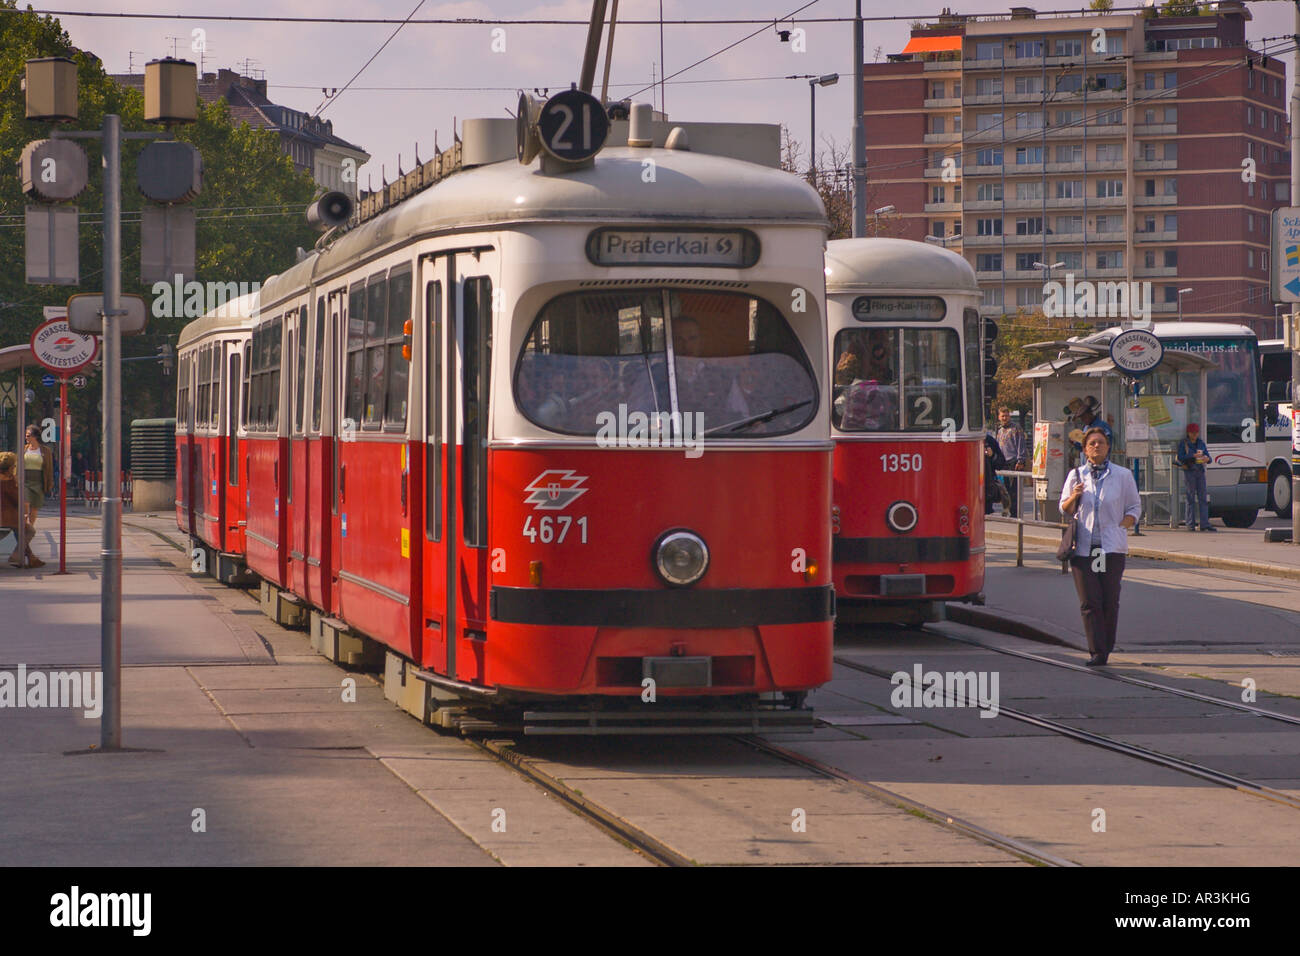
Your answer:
<point x="1180" y="8"/>
<point x="1101" y="6"/>
<point x="250" y="214"/>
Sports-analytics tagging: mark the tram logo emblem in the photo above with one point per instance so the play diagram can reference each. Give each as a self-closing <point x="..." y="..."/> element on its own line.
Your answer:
<point x="555" y="490"/>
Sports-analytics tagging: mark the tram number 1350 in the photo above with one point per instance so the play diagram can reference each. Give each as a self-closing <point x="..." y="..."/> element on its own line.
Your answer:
<point x="900" y="462"/>
<point x="555" y="529"/>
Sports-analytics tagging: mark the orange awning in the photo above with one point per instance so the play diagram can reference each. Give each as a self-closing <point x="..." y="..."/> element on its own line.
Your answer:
<point x="932" y="44"/>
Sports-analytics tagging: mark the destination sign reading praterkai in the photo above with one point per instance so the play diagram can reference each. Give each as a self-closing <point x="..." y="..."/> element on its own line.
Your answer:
<point x="735" y="248"/>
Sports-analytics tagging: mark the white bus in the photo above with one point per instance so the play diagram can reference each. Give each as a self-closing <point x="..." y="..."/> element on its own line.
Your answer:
<point x="1283" y="458"/>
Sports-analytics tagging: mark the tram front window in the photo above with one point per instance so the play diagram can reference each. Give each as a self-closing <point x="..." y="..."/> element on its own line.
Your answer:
<point x="873" y="365"/>
<point x="737" y="368"/>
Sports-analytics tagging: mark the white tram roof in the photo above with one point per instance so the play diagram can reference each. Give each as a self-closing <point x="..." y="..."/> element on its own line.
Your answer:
<point x="237" y="313"/>
<point x="690" y="187"/>
<point x="865" y="265"/>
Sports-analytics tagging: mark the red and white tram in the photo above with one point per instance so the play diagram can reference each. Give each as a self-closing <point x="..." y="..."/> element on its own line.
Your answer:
<point x="556" y="437"/>
<point x="210" y="493"/>
<point x="907" y="419"/>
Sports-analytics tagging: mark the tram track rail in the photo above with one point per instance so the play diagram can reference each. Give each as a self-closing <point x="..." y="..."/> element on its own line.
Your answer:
<point x="1145" y="754"/>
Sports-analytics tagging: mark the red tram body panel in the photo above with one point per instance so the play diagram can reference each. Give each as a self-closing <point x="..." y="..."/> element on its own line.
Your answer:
<point x="907" y="418"/>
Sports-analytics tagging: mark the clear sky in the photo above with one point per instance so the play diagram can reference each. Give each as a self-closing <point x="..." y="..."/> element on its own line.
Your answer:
<point x="300" y="59"/>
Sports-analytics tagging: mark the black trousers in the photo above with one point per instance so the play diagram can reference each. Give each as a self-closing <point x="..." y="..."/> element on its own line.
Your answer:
<point x="1099" y="600"/>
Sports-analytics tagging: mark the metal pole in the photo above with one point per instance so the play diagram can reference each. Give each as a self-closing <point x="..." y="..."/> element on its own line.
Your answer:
<point x="812" y="147"/>
<point x="63" y="474"/>
<point x="110" y="727"/>
<point x="1295" y="356"/>
<point x="609" y="53"/>
<point x="593" y="47"/>
<point x="859" y="134"/>
<point x="663" y="67"/>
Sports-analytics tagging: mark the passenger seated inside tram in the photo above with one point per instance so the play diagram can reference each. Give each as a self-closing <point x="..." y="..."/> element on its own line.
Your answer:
<point x="868" y="400"/>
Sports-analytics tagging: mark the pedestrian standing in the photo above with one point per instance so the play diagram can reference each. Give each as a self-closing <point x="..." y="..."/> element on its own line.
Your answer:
<point x="1107" y="501"/>
<point x="1192" y="456"/>
<point x="38" y="468"/>
<point x="1011" y="439"/>
<point x="993" y="462"/>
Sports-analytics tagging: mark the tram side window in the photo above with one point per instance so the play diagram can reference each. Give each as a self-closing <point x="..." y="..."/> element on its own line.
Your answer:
<point x="273" y="390"/>
<point x="974" y="372"/>
<point x="866" y="380"/>
<point x="232" y="428"/>
<point x="477" y="326"/>
<point x="214" y="415"/>
<point x="201" y="388"/>
<point x="399" y="367"/>
<point x="300" y="385"/>
<point x="318" y="365"/>
<point x="931" y="379"/>
<point x="255" y="423"/>
<point x="376" y="318"/>
<point x="356" y="382"/>
<point x="432" y="421"/>
<point x="247" y="381"/>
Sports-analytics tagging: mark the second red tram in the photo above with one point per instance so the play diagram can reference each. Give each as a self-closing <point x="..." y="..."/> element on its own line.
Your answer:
<point x="557" y="439"/>
<point x="908" y="424"/>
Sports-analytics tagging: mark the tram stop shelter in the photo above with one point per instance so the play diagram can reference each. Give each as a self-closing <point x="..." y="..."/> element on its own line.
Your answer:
<point x="1147" y="415"/>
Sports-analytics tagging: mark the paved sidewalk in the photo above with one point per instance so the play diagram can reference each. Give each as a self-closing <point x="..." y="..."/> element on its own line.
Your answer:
<point x="246" y="752"/>
<point x="1231" y="549"/>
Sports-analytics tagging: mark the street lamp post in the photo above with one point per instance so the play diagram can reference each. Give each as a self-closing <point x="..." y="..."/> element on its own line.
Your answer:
<point x="1180" y="302"/>
<point x="829" y="79"/>
<point x="875" y="218"/>
<point x="942" y="240"/>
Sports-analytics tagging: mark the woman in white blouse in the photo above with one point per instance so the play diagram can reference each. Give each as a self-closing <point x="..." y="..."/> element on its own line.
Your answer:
<point x="1108" y="503"/>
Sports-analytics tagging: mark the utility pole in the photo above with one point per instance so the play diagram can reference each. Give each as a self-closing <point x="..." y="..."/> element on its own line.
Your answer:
<point x="1295" y="309"/>
<point x="859" y="135"/>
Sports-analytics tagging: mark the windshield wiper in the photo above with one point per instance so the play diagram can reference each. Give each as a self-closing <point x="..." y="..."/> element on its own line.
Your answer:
<point x="755" y="419"/>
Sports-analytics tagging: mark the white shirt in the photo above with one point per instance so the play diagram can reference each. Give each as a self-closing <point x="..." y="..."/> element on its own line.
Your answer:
<point x="1108" y="500"/>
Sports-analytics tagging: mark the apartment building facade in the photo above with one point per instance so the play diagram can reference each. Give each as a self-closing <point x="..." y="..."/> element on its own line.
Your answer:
<point x="1101" y="147"/>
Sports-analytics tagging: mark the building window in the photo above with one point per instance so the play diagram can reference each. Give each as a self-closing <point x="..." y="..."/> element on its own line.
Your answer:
<point x="988" y="262"/>
<point x="936" y="228"/>
<point x="988" y="86"/>
<point x="1025" y="261"/>
<point x="1114" y="43"/>
<point x="1149" y="259"/>
<point x="1068" y="48"/>
<point x="956" y="227"/>
<point x="1110" y="152"/>
<point x="1110" y="188"/>
<point x="937" y="90"/>
<point x="1110" y="117"/>
<point x="1171" y="151"/>
<point x="1250" y="116"/>
<point x="1149" y="81"/>
<point x="1171" y="81"/>
<point x="1069" y="83"/>
<point x="1263" y="189"/>
<point x="989" y="157"/>
<point x="1112" y="259"/>
<point x="1107" y="81"/>
<point x="1029" y="84"/>
<point x="1070" y="153"/>
<point x="1069" y="188"/>
<point x="1250" y="79"/>
<point x="1171" y="186"/>
<point x="937" y="194"/>
<point x="1148" y="187"/>
<point x="1171" y="258"/>
<point x="987" y="120"/>
<point x="989" y="192"/>
<point x="1072" y="261"/>
<point x="1110" y="223"/>
<point x="1029" y="295"/>
<point x="993" y="296"/>
<point x="1263" y="260"/>
<point x="987" y="50"/>
<point x="988" y="227"/>
<point x="1171" y="223"/>
<point x="1033" y="190"/>
<point x="1069" y="117"/>
<point x="1029" y="226"/>
<point x="1029" y="49"/>
<point x="1032" y="120"/>
<point x="936" y="124"/>
<point x="1029" y="155"/>
<point x="1069" y="224"/>
<point x="1250" y="258"/>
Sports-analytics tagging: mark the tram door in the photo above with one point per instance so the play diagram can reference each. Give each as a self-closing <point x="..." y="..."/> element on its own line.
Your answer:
<point x="457" y="318"/>
<point x="298" y="503"/>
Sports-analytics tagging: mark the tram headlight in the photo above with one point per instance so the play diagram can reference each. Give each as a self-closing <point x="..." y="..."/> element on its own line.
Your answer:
<point x="901" y="517"/>
<point x="681" y="557"/>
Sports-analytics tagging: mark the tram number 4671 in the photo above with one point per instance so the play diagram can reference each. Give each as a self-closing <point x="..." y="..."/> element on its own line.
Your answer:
<point x="555" y="529"/>
<point x="900" y="462"/>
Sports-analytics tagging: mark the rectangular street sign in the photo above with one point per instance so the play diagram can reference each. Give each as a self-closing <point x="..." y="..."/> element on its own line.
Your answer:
<point x="1284" y="268"/>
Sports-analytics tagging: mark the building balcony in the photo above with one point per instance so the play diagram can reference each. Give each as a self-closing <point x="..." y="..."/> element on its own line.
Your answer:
<point x="1070" y="202"/>
<point x="982" y="205"/>
<point x="994" y="135"/>
<point x="982" y="99"/>
<point x="1164" y="235"/>
<point x="1154" y="57"/>
<point x="1155" y="200"/>
<point x="1036" y="239"/>
<point x="982" y="241"/>
<point x="943" y="207"/>
<point x="1164" y="306"/>
<point x="1064" y="238"/>
<point x="970" y="66"/>
<point x="941" y="66"/>
<point x="1107" y="165"/>
<point x="984" y="171"/>
<point x="1145" y="164"/>
<point x="1023" y="98"/>
<point x="1024" y="169"/>
<point x="1075" y="167"/>
<point x="1110" y="273"/>
<point x="936" y="172"/>
<point x="1104" y="130"/>
<point x="943" y="103"/>
<point x="1148" y="272"/>
<point x="1107" y="238"/>
<point x="1111" y="201"/>
<point x="1022" y="275"/>
<point x="1154" y="129"/>
<point x="934" y="138"/>
<point x="1107" y="96"/>
<point x="993" y="310"/>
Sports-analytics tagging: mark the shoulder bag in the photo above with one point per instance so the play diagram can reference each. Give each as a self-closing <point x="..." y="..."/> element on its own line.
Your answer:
<point x="1065" y="549"/>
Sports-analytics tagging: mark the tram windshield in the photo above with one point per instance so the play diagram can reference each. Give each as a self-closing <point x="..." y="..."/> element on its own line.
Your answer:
<point x="593" y="357"/>
<point x="891" y="380"/>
